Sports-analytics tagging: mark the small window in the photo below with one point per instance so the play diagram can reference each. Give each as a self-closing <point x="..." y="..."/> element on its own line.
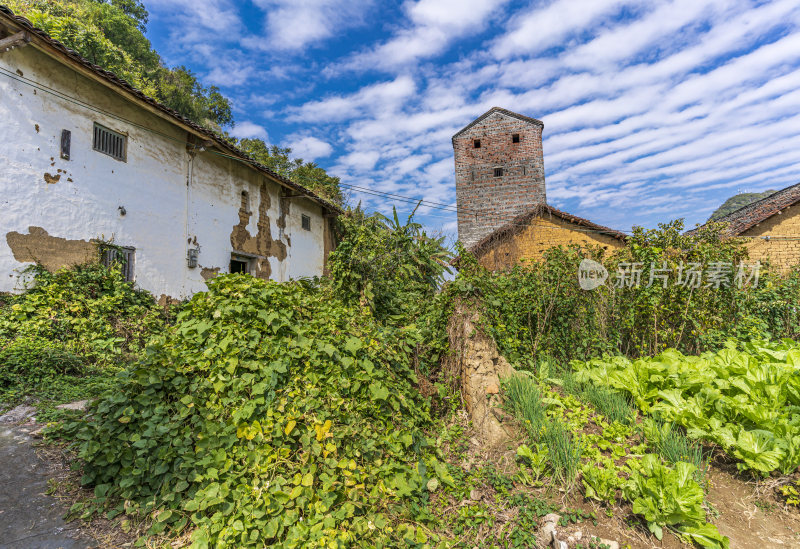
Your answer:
<point x="245" y="206"/>
<point x="123" y="258"/>
<point x="110" y="142"/>
<point x="239" y="265"/>
<point x="477" y="143"/>
<point x="498" y="172"/>
<point x="515" y="138"/>
<point x="306" y="222"/>
<point x="66" y="139"/>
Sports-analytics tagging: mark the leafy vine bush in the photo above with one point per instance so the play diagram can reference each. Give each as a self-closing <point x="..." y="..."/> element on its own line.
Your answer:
<point x="270" y="414"/>
<point x="389" y="268"/>
<point x="27" y="362"/>
<point x="538" y="310"/>
<point x="89" y="310"/>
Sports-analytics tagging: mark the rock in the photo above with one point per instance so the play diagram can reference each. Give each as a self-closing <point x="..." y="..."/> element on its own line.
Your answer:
<point x="479" y="366"/>
<point x="545" y="534"/>
<point x="77" y="405"/>
<point x="19" y="414"/>
<point x="548" y="529"/>
<point x="611" y="544"/>
<point x="474" y="494"/>
<point x="558" y="544"/>
<point x="552" y="517"/>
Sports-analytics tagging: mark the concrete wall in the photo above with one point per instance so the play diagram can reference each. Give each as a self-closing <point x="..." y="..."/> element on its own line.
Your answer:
<point x="783" y="247"/>
<point x="486" y="202"/>
<point x="541" y="234"/>
<point x="53" y="209"/>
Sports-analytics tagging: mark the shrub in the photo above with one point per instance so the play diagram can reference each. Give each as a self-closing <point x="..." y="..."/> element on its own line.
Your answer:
<point x="269" y="415"/>
<point x="537" y="310"/>
<point x="88" y="308"/>
<point x="30" y="360"/>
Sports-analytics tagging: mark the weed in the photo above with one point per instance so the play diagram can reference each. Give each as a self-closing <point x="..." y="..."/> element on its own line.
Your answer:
<point x="766" y="507"/>
<point x="611" y="404"/>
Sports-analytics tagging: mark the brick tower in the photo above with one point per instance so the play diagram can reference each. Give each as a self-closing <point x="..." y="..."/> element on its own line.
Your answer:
<point x="499" y="172"/>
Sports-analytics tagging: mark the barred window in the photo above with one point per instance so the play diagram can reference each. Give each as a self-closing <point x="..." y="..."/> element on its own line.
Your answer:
<point x="109" y="142"/>
<point x="306" y="222"/>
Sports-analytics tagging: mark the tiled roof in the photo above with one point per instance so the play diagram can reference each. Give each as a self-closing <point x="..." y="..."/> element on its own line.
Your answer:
<point x="751" y="215"/>
<point x="503" y="111"/>
<point x="520" y="222"/>
<point x="63" y="53"/>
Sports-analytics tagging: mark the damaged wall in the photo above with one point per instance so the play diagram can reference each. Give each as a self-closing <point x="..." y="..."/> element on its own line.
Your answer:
<point x="164" y="199"/>
<point x="477" y="366"/>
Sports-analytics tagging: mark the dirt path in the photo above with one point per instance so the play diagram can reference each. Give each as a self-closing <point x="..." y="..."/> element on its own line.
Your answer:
<point x="752" y="521"/>
<point x="30" y="519"/>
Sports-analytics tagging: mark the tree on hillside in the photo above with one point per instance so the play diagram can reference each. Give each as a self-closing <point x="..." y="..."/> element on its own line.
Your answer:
<point x="307" y="174"/>
<point x="110" y="34"/>
<point x="737" y="201"/>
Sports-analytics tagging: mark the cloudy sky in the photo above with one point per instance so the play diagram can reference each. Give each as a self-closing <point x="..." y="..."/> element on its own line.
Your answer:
<point x="653" y="110"/>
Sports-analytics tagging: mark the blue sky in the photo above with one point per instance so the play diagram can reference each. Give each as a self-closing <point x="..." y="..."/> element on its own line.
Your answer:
<point x="653" y="110"/>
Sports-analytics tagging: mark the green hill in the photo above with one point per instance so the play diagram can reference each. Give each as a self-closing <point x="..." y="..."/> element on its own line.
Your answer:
<point x="737" y="201"/>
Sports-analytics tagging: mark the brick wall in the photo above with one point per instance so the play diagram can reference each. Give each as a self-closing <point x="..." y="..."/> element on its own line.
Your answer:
<point x="782" y="252"/>
<point x="542" y="233"/>
<point x="486" y="202"/>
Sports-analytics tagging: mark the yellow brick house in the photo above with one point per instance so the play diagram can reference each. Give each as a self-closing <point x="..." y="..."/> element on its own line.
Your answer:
<point x="771" y="227"/>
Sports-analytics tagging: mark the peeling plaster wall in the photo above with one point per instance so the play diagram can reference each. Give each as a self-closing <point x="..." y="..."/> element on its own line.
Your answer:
<point x="44" y="198"/>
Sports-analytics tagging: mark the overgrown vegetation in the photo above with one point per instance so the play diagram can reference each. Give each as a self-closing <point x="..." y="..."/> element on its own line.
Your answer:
<point x="537" y="311"/>
<point x="269" y="414"/>
<point x="296" y="414"/>
<point x="65" y="337"/>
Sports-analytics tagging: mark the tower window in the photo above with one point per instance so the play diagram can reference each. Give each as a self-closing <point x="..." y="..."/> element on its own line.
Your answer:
<point x="477" y="143"/>
<point x="515" y="138"/>
<point x="498" y="172"/>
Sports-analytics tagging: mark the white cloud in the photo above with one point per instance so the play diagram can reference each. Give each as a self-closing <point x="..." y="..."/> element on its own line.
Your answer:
<point x="310" y="148"/>
<point x="543" y="28"/>
<point x="432" y="27"/>
<point x="251" y="130"/>
<point x="381" y="97"/>
<point x="297" y="24"/>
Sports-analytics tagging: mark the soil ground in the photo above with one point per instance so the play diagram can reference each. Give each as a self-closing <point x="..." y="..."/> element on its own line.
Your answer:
<point x="750" y="513"/>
